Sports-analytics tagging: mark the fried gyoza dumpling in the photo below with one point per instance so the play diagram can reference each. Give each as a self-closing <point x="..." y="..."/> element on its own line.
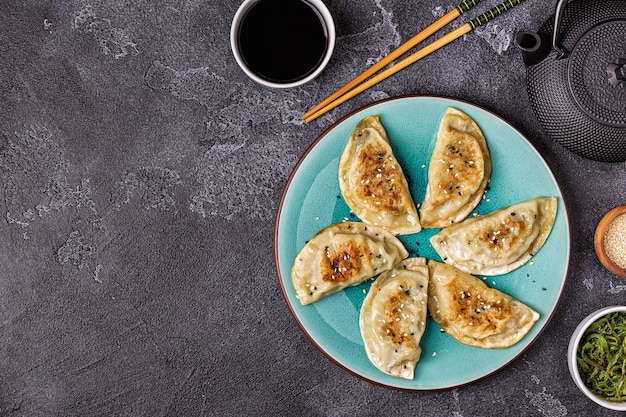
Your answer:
<point x="474" y="314"/>
<point x="498" y="242"/>
<point x="342" y="255"/>
<point x="393" y="317"/>
<point x="459" y="170"/>
<point x="372" y="182"/>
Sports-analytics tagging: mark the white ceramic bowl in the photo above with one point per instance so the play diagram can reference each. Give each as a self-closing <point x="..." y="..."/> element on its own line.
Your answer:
<point x="234" y="34"/>
<point x="571" y="357"/>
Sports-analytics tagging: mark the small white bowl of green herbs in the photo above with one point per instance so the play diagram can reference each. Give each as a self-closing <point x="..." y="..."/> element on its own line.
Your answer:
<point x="597" y="357"/>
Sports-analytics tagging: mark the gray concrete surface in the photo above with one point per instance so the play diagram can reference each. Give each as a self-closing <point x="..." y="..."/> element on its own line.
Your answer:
<point x="140" y="176"/>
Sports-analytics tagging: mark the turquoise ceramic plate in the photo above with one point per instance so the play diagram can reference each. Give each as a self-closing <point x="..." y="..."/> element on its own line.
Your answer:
<point x="312" y="201"/>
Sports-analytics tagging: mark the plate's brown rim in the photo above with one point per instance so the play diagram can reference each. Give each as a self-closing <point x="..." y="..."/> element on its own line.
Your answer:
<point x="310" y="148"/>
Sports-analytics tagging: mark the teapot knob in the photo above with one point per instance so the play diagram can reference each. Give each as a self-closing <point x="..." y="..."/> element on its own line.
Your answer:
<point x="617" y="72"/>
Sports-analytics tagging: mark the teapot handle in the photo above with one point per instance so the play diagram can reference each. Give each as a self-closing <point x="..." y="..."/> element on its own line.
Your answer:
<point x="558" y="16"/>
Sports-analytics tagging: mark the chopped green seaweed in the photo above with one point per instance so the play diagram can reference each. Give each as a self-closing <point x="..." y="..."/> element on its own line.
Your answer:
<point x="601" y="357"/>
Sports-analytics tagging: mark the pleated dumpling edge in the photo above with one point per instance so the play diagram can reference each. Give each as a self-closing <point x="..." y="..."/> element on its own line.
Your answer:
<point x="373" y="183"/>
<point x="393" y="318"/>
<point x="500" y="241"/>
<point x="458" y="172"/>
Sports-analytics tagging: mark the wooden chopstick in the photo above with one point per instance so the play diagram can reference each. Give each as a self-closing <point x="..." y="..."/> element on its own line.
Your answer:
<point x="444" y="40"/>
<point x="349" y="91"/>
<point x="399" y="51"/>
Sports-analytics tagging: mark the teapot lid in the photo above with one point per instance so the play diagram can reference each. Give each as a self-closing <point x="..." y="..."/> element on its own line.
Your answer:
<point x="597" y="83"/>
<point x="578" y="89"/>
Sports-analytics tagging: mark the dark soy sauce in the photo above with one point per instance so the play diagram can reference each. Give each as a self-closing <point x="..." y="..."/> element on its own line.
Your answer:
<point x="283" y="40"/>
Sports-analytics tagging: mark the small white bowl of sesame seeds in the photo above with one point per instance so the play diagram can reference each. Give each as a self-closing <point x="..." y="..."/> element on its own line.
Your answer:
<point x="610" y="241"/>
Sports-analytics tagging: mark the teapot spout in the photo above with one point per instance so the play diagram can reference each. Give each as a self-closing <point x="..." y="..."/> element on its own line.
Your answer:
<point x="535" y="47"/>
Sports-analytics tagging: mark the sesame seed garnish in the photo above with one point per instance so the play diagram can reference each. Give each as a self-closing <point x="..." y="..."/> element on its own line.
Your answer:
<point x="614" y="239"/>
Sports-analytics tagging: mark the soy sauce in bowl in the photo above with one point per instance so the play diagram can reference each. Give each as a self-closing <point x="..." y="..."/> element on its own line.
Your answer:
<point x="283" y="41"/>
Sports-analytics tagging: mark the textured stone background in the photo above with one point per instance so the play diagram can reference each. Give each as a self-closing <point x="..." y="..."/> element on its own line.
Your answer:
<point x="140" y="175"/>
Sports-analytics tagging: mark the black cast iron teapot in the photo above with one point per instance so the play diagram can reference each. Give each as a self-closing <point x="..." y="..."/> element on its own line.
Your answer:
<point x="576" y="77"/>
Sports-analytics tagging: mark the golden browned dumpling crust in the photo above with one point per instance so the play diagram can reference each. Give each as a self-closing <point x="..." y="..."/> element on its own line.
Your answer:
<point x="372" y="181"/>
<point x="458" y="173"/>
<point x="474" y="314"/>
<point x="498" y="242"/>
<point x="393" y="318"/>
<point x="342" y="255"/>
